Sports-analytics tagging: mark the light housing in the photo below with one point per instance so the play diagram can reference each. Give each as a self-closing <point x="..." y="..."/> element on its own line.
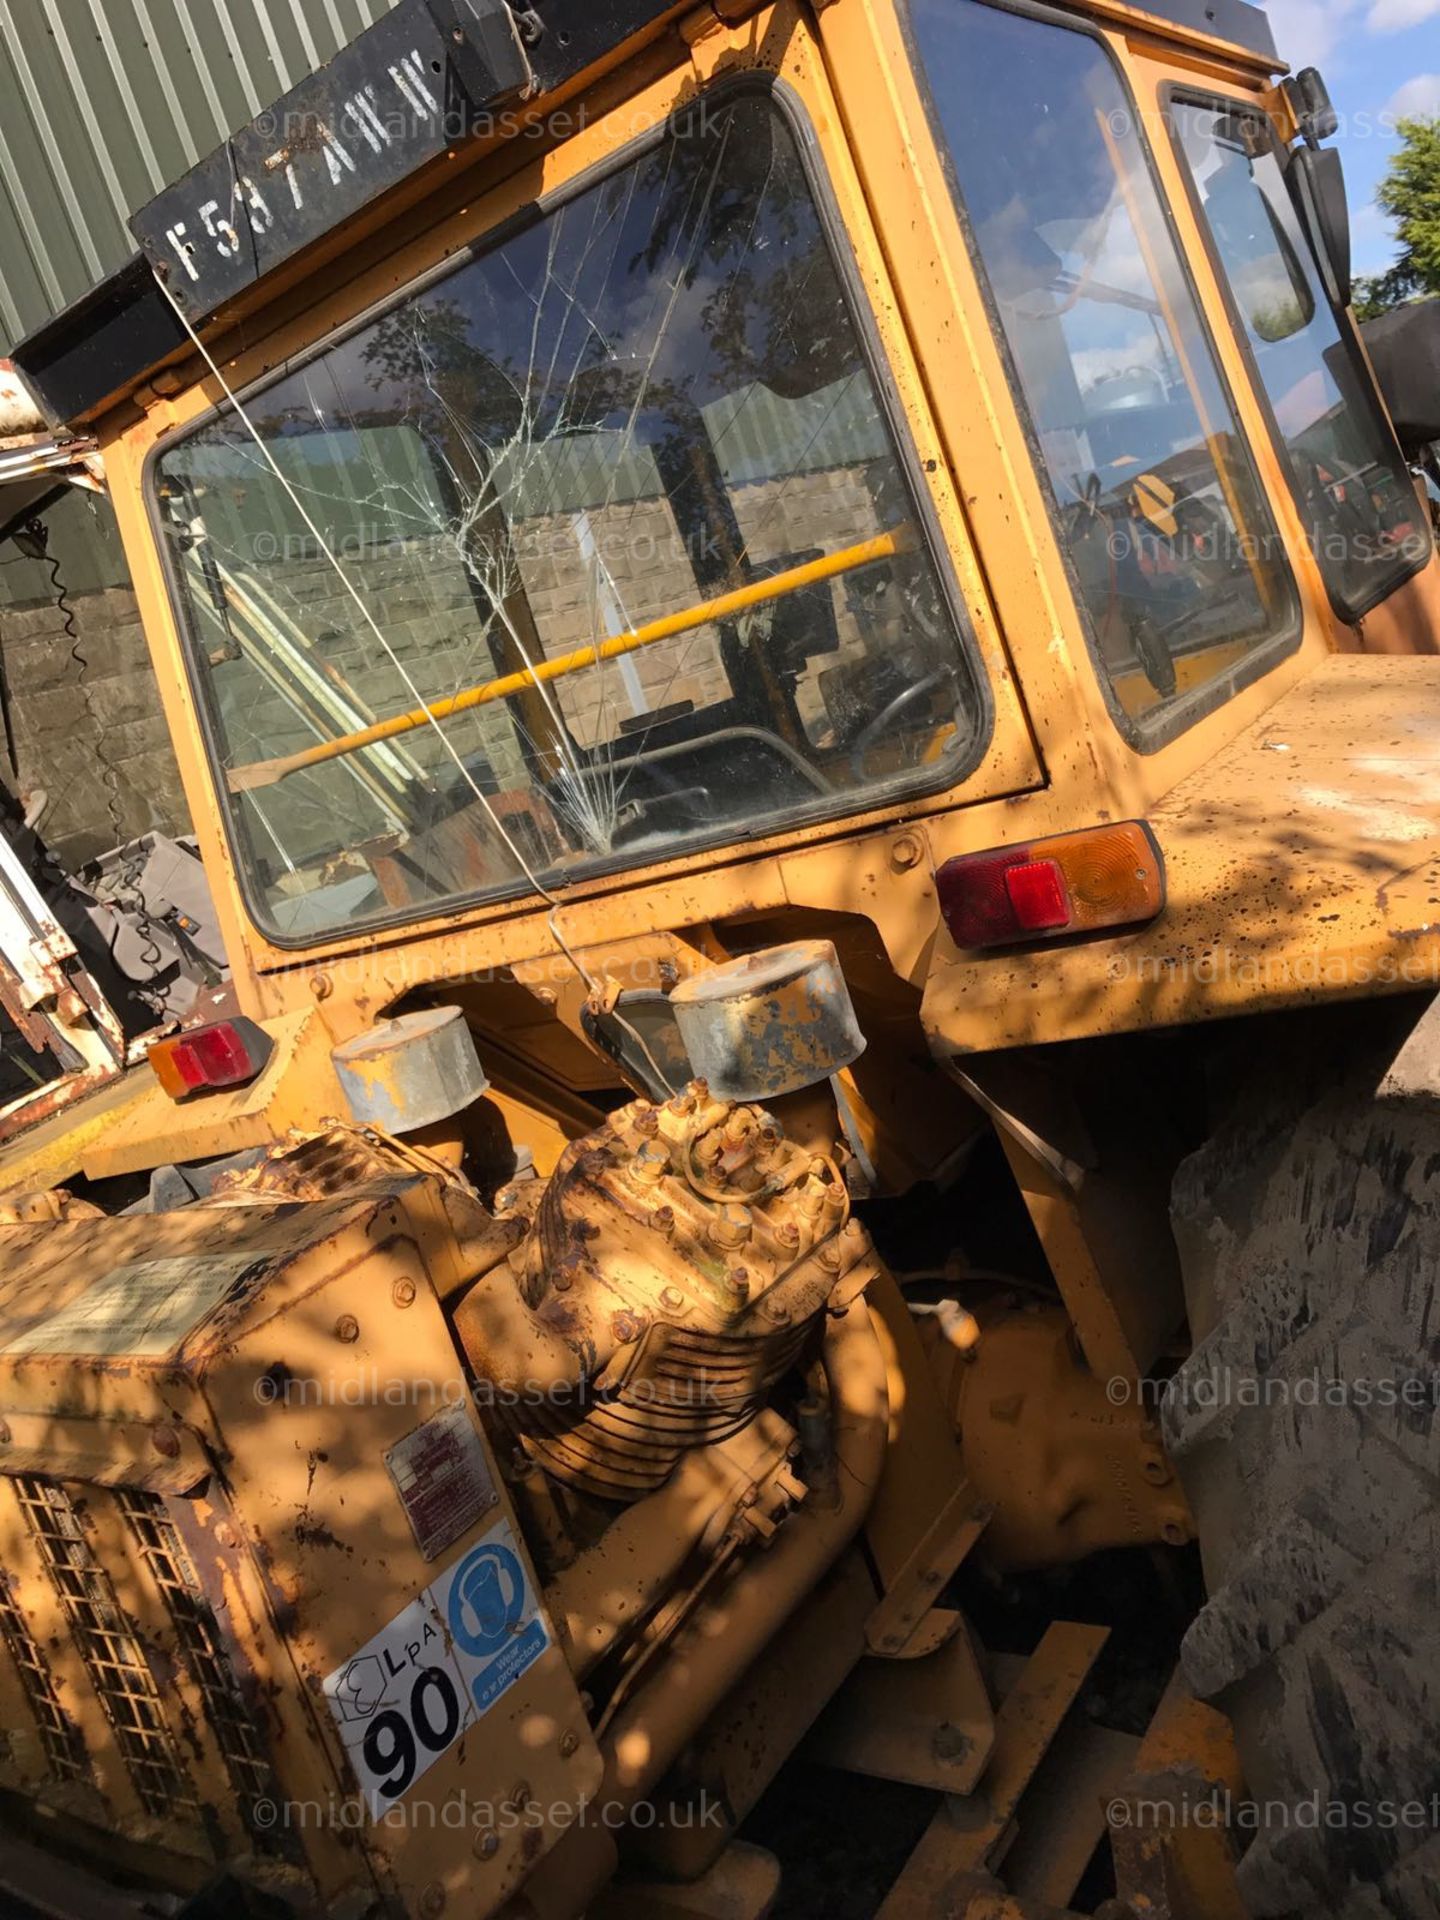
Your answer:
<point x="227" y="1053"/>
<point x="1070" y="883"/>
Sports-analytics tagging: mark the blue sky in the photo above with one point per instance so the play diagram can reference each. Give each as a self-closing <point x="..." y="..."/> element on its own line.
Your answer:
<point x="1381" y="59"/>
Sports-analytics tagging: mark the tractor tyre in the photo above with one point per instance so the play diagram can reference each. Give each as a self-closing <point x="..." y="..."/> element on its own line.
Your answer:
<point x="1304" y="1430"/>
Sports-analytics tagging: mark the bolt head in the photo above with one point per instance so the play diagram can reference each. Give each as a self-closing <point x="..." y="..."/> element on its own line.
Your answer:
<point x="403" y="1293"/>
<point x="487" y="1845"/>
<point x="569" y="1743"/>
<point x="347" y="1328"/>
<point x="432" y="1900"/>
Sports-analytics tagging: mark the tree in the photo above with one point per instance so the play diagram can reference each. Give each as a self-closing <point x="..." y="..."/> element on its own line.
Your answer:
<point x="1410" y="194"/>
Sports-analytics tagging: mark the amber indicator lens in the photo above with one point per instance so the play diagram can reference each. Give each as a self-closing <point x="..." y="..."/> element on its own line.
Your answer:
<point x="1111" y="876"/>
<point x="229" y="1053"/>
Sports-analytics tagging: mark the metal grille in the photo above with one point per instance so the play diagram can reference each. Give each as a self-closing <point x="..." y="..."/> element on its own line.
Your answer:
<point x="116" y="1662"/>
<point x="64" y="1749"/>
<point x="198" y="1632"/>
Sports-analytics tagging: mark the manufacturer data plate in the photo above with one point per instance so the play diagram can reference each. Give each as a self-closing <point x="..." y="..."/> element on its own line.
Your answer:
<point x="438" y="1668"/>
<point x="147" y="1307"/>
<point x="443" y="1479"/>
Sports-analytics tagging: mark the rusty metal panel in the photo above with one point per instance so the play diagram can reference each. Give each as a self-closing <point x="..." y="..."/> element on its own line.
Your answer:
<point x="103" y="102"/>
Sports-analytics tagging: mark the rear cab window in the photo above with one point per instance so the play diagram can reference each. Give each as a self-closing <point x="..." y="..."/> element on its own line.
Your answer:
<point x="541" y="469"/>
<point x="1352" y="486"/>
<point x="1177" y="564"/>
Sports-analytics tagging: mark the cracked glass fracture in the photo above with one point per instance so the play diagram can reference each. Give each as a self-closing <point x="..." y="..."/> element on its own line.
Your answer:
<point x="648" y="398"/>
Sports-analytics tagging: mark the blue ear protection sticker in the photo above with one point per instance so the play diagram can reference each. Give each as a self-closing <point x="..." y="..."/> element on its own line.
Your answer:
<point x="487" y="1597"/>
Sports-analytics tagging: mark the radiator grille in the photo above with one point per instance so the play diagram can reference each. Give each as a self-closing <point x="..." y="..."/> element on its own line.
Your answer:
<point x="60" y="1738"/>
<point x="198" y="1633"/>
<point x="116" y="1662"/>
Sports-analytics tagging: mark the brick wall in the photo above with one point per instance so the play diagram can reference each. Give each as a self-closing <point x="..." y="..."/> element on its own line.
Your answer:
<point x="91" y="736"/>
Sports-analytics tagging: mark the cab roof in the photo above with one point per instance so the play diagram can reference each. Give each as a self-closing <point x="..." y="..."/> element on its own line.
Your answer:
<point x="427" y="75"/>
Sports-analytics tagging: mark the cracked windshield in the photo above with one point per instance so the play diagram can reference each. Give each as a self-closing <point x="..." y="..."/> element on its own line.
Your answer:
<point x="621" y="497"/>
<point x="1177" y="560"/>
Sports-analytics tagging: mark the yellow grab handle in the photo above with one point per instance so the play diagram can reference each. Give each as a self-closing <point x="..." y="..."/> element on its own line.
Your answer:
<point x="263" y="773"/>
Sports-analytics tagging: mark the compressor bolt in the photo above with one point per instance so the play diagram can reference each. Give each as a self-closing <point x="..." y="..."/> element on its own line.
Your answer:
<point x="347" y="1328"/>
<point x="569" y="1743"/>
<point x="403" y="1293"/>
<point x="432" y="1901"/>
<point x="487" y="1845"/>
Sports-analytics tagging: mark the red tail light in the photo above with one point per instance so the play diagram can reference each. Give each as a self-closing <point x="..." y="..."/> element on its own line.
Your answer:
<point x="227" y="1054"/>
<point x="1071" y="883"/>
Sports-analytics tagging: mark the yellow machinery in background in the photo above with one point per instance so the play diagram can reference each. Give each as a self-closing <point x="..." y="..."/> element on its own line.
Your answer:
<point x="805" y="662"/>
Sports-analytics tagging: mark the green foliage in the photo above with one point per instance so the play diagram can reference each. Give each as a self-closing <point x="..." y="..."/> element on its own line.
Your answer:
<point x="1410" y="194"/>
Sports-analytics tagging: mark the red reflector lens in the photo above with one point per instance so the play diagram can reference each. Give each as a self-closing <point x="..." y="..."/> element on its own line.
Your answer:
<point x="228" y="1054"/>
<point x="1038" y="896"/>
<point x="975" y="899"/>
<point x="1110" y="876"/>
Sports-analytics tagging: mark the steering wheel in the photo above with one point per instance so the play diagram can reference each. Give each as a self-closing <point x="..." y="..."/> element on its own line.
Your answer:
<point x="872" y="730"/>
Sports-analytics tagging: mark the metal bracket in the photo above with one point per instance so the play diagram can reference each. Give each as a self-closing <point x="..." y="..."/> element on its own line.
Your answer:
<point x="912" y="1594"/>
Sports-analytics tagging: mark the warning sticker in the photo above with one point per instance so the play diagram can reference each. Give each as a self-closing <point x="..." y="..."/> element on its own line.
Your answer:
<point x="443" y="1479"/>
<point x="144" y="1308"/>
<point x="437" y="1668"/>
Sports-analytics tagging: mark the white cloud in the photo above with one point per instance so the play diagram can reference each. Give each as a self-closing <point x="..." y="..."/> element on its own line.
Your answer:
<point x="1310" y="32"/>
<point x="1395" y="16"/>
<point x="1418" y="99"/>
<point x="1307" y="32"/>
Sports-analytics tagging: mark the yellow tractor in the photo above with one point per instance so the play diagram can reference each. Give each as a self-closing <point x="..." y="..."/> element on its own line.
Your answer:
<point x="804" y="658"/>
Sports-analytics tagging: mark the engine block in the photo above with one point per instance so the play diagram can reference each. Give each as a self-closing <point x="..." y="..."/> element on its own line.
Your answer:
<point x="677" y="1264"/>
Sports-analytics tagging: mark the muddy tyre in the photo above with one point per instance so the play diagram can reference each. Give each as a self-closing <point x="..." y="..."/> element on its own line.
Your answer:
<point x="1306" y="1433"/>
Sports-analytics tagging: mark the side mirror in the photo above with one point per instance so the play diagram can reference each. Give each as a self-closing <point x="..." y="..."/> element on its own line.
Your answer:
<point x="1404" y="349"/>
<point x="1316" y="179"/>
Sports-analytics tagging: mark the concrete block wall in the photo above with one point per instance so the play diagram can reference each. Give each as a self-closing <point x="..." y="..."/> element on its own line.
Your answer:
<point x="84" y="709"/>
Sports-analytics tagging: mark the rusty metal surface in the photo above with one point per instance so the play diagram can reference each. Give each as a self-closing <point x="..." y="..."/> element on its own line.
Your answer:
<point x="280" y="1375"/>
<point x="738" y="1753"/>
<point x="741" y="1885"/>
<point x="678" y="1262"/>
<point x="1067" y="1462"/>
<point x="1170" y="1861"/>
<point x="296" y="1088"/>
<point x="966" y="1834"/>
<point x="911" y="1592"/>
<point x="927" y="1722"/>
<point x="1301" y="865"/>
<point x="411" y="1071"/>
<point x="769" y="1024"/>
